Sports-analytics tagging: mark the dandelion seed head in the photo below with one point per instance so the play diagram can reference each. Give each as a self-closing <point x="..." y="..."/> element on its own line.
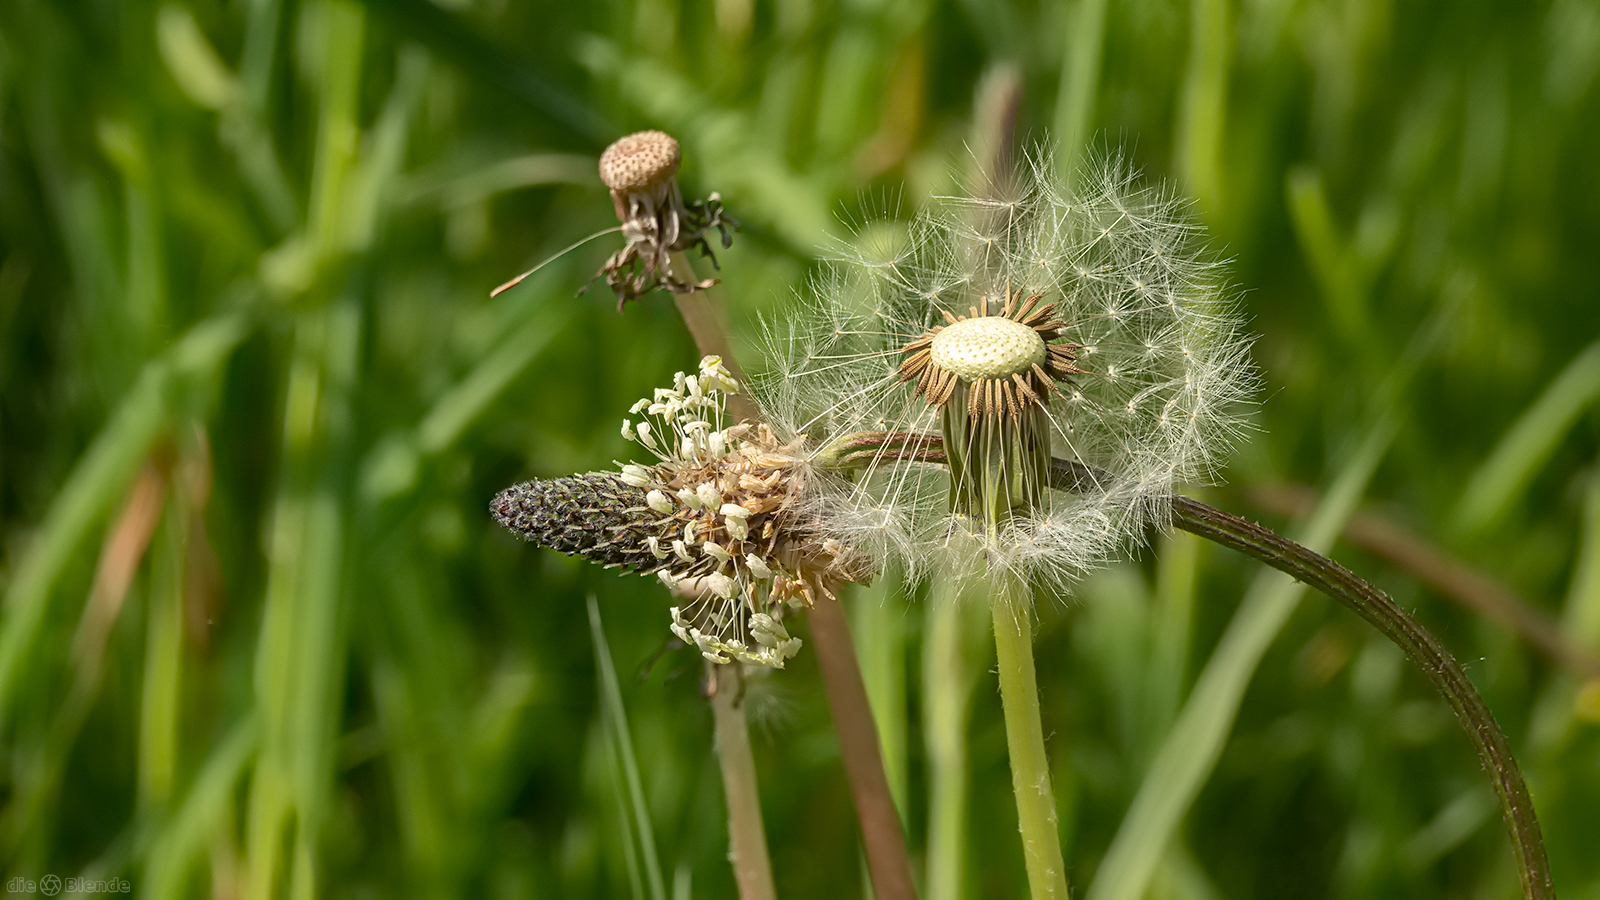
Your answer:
<point x="1146" y="375"/>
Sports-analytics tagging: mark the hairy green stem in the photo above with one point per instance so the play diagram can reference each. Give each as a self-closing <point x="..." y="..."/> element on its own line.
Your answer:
<point x="1030" y="766"/>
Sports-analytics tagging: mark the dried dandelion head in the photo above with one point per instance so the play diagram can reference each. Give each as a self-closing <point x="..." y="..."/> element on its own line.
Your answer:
<point x="1000" y="334"/>
<point x="639" y="171"/>
<point x="716" y="517"/>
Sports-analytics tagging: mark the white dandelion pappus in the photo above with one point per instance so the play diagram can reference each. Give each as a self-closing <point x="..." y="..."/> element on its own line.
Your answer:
<point x="1088" y="325"/>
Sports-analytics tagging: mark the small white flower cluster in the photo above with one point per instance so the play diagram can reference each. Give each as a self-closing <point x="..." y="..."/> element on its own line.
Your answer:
<point x="773" y="643"/>
<point x="719" y="492"/>
<point x="690" y="412"/>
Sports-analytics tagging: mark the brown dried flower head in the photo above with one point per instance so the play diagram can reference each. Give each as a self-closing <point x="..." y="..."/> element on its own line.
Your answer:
<point x="639" y="170"/>
<point x="639" y="163"/>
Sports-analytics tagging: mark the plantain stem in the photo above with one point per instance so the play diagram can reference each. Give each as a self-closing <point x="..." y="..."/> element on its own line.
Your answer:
<point x="747" y="836"/>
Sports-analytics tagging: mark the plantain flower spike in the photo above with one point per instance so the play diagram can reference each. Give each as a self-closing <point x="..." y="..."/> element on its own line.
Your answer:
<point x="716" y="517"/>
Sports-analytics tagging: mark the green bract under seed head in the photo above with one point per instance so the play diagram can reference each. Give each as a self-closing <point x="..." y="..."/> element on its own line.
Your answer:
<point x="987" y="347"/>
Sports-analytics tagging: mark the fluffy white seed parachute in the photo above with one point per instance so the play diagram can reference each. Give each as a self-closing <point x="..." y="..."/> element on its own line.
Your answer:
<point x="1165" y="376"/>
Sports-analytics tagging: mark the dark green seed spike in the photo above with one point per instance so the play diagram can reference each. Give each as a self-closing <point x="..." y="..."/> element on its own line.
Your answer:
<point x="597" y="516"/>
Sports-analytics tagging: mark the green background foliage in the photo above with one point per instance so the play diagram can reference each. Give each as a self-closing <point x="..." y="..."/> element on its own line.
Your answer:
<point x="260" y="638"/>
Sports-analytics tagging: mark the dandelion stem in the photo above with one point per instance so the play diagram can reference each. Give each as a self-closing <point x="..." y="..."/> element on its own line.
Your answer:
<point x="747" y="836"/>
<point x="1030" y="766"/>
<point x="1372" y="604"/>
<point x="950" y="666"/>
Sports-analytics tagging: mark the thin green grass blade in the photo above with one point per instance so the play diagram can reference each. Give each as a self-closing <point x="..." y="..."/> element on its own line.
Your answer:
<point x="619" y="793"/>
<point x="163" y="662"/>
<point x="1202" y="116"/>
<point x="1172" y="626"/>
<point x="1331" y="259"/>
<point x="181" y="839"/>
<point x="617" y="719"/>
<point x="300" y="653"/>
<point x="1527" y="445"/>
<point x="1080" y="81"/>
<point x="954" y="651"/>
<point x="1581" y="619"/>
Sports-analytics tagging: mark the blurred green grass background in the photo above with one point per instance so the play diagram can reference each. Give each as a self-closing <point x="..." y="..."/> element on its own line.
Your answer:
<point x="260" y="638"/>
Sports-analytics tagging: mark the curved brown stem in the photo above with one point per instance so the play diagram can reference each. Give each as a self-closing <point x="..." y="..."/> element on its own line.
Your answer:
<point x="1334" y="580"/>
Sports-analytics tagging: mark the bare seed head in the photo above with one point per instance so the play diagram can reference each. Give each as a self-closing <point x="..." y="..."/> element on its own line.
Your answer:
<point x="987" y="347"/>
<point x="639" y="162"/>
<point x="1001" y="357"/>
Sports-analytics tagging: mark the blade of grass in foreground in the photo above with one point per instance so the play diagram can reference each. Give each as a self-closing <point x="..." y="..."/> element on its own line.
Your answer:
<point x="617" y="724"/>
